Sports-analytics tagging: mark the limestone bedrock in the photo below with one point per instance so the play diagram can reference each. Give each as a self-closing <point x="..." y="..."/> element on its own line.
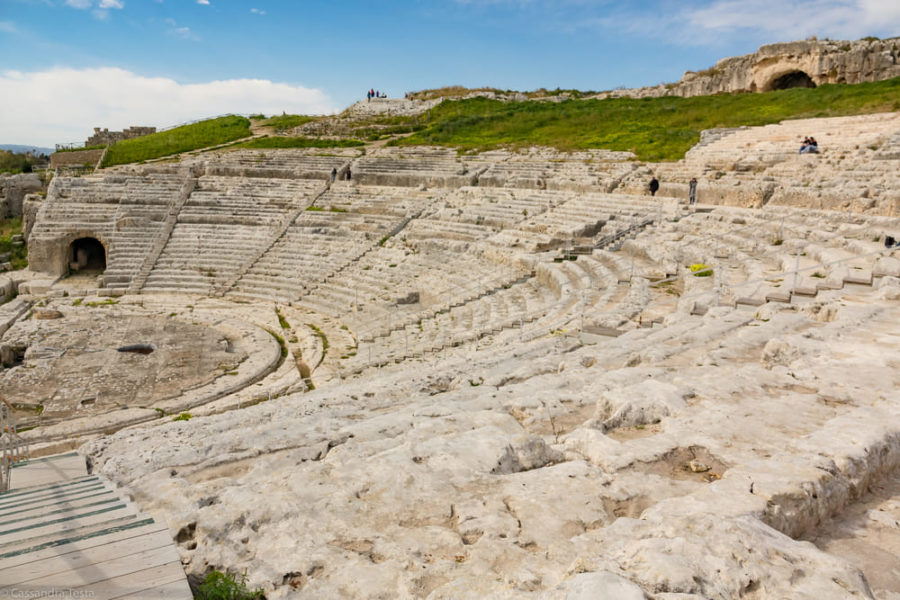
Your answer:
<point x="419" y="483"/>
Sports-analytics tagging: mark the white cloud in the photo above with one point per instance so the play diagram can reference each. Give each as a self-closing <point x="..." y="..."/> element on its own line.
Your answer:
<point x="101" y="11"/>
<point x="8" y="27"/>
<point x="796" y="19"/>
<point x="203" y="2"/>
<point x="63" y="105"/>
<point x="257" y="11"/>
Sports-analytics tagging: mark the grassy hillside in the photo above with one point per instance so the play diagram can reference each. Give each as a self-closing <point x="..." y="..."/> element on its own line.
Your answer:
<point x="179" y="139"/>
<point x="653" y="128"/>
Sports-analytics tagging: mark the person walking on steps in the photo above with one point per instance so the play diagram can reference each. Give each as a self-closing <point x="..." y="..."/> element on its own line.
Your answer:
<point x="333" y="174"/>
<point x="654" y="185"/>
<point x="692" y="191"/>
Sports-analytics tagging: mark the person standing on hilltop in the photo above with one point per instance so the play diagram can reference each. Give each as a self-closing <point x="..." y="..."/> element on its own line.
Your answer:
<point x="654" y="185"/>
<point x="692" y="190"/>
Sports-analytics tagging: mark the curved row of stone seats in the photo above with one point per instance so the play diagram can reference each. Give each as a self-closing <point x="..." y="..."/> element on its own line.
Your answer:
<point x="374" y="199"/>
<point x="275" y="163"/>
<point x="248" y="202"/>
<point x="777" y="142"/>
<point x="199" y="258"/>
<point x="314" y="247"/>
<point x="391" y="286"/>
<point x="438" y="227"/>
<point x="496" y="207"/>
<point x="508" y="307"/>
<point x="411" y="172"/>
<point x="829" y="249"/>
<point x="562" y="175"/>
<point x="597" y="288"/>
<point x="571" y="216"/>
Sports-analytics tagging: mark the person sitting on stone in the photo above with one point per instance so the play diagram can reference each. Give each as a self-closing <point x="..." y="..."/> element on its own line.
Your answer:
<point x="810" y="146"/>
<point x="654" y="185"/>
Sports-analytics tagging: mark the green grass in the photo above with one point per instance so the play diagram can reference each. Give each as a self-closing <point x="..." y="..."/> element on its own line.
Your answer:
<point x="18" y="255"/>
<point x="653" y="128"/>
<point x="297" y="142"/>
<point x="281" y="344"/>
<point x="94" y="147"/>
<point x="321" y="335"/>
<point x="282" y="122"/>
<point x="181" y="139"/>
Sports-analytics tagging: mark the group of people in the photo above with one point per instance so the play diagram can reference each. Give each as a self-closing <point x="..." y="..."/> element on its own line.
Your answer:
<point x="809" y="146"/>
<point x="692" y="189"/>
<point x="374" y="94"/>
<point x="345" y="176"/>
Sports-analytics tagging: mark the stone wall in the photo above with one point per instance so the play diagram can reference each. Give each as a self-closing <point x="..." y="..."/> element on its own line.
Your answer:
<point x="791" y="64"/>
<point x="105" y="136"/>
<point x="75" y="158"/>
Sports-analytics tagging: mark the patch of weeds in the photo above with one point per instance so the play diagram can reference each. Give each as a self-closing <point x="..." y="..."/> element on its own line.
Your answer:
<point x="476" y="382"/>
<point x="281" y="344"/>
<point x="818" y="275"/>
<point x="778" y="242"/>
<point x="107" y="302"/>
<point x="321" y="336"/>
<point x="281" y="320"/>
<point x="701" y="270"/>
<point x="185" y="416"/>
<point x="226" y="586"/>
<point x="77" y="301"/>
<point x="160" y="412"/>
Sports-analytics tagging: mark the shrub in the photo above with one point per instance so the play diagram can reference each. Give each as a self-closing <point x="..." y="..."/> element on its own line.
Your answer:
<point x="701" y="270"/>
<point x="185" y="416"/>
<point x="226" y="586"/>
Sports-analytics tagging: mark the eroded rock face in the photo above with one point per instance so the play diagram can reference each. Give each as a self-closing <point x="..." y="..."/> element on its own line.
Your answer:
<point x="807" y="63"/>
<point x="412" y="483"/>
<point x="13" y="189"/>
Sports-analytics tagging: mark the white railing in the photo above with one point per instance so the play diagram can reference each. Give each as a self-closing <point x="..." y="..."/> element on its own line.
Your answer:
<point x="13" y="449"/>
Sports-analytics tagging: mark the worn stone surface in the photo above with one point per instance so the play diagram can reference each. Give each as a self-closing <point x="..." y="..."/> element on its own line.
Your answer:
<point x="422" y="411"/>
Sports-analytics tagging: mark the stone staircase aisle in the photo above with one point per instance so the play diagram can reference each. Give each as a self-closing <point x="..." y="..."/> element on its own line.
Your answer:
<point x="66" y="533"/>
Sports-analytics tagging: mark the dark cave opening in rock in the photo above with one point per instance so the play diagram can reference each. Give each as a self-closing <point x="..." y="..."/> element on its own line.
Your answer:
<point x="794" y="79"/>
<point x="87" y="254"/>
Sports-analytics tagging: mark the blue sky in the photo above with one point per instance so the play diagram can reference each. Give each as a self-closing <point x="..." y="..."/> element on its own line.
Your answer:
<point x="69" y="65"/>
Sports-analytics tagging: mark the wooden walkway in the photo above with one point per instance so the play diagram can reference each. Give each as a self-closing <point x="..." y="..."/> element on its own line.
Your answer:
<point x="67" y="534"/>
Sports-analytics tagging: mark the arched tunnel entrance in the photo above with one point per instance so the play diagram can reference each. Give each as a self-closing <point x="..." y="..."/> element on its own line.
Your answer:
<point x="87" y="254"/>
<point x="794" y="79"/>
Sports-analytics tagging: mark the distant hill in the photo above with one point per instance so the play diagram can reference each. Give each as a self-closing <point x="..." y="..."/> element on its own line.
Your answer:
<point x="21" y="148"/>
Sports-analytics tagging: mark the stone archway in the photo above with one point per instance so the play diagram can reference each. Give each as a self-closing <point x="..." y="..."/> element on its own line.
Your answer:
<point x="86" y="254"/>
<point x="791" y="79"/>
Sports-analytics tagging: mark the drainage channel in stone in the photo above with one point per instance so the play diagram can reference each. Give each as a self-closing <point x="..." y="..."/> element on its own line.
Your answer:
<point x="137" y="348"/>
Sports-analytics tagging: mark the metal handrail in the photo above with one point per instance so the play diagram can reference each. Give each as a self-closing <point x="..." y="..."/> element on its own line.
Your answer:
<point x="13" y="449"/>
